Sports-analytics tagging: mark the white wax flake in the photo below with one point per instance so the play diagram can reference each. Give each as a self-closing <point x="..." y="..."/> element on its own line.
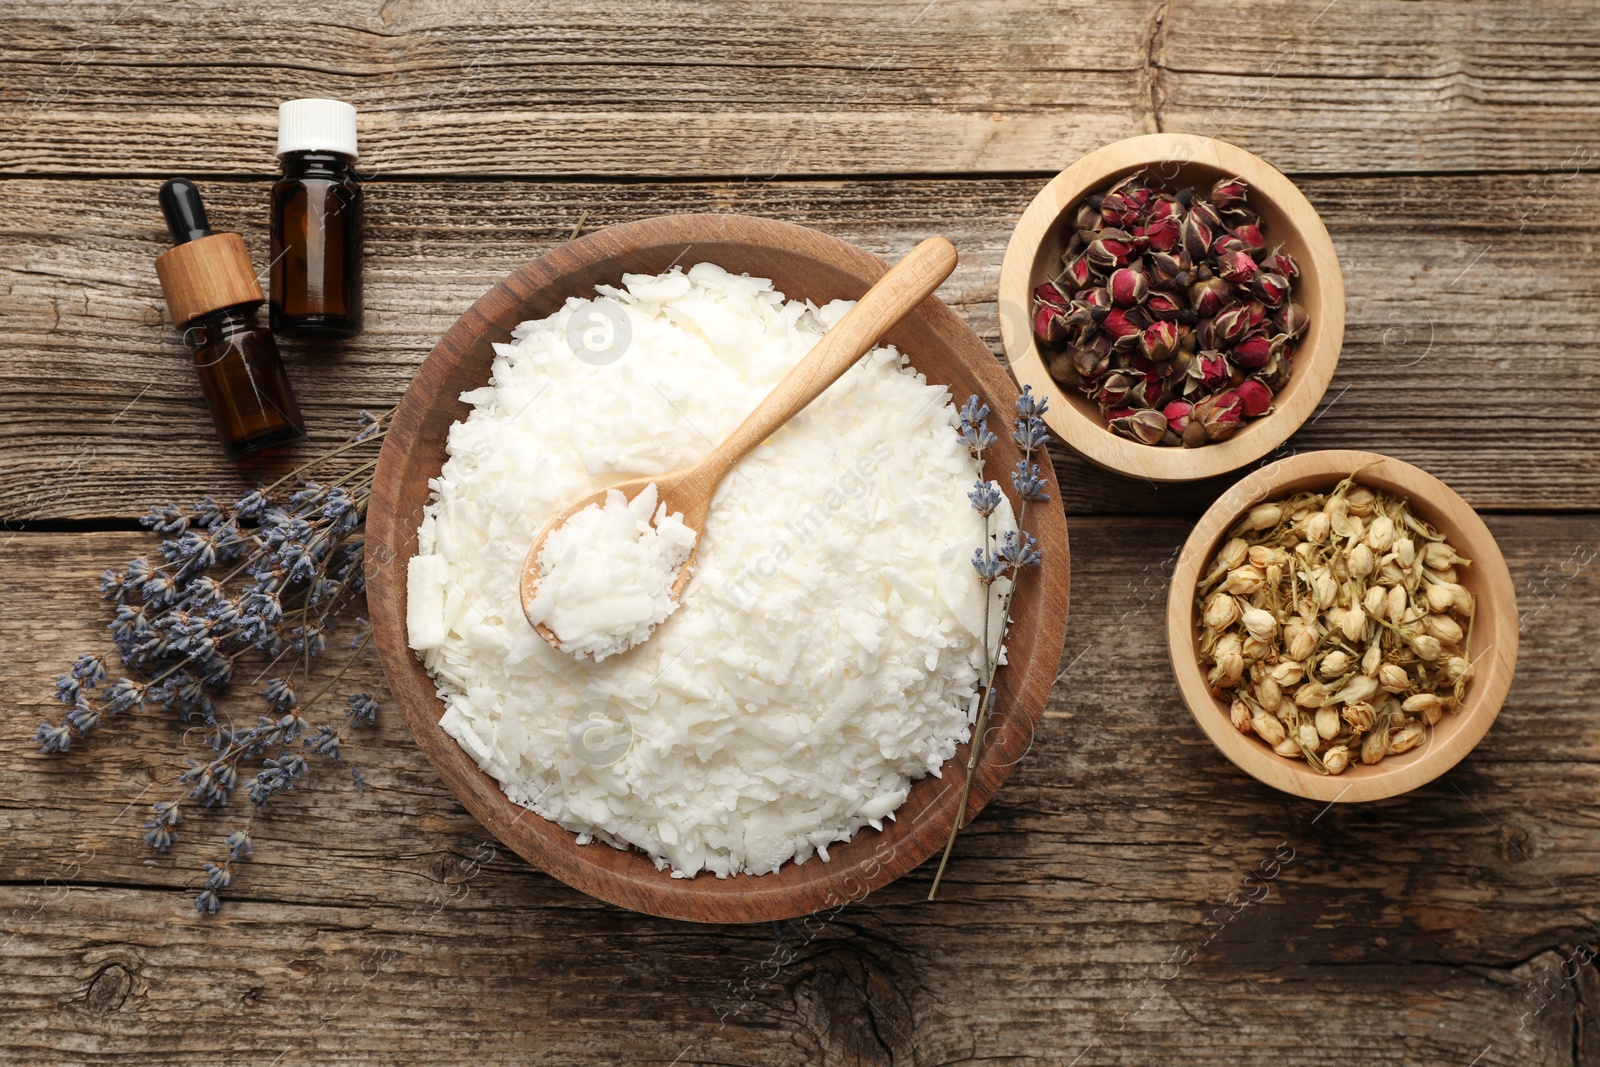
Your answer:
<point x="826" y="652"/>
<point x="606" y="574"/>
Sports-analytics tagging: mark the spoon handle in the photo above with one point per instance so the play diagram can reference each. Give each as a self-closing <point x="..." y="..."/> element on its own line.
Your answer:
<point x="895" y="296"/>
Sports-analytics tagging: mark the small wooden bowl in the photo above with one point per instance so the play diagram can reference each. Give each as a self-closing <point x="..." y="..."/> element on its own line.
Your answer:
<point x="1034" y="255"/>
<point x="804" y="264"/>
<point x="1494" y="634"/>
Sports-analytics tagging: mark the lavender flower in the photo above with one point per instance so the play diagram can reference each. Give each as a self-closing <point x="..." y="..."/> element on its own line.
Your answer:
<point x="53" y="738"/>
<point x="1017" y="549"/>
<point x="1020" y="551"/>
<point x="277" y="776"/>
<point x="325" y="742"/>
<point x="164" y="815"/>
<point x="239" y="844"/>
<point x="1028" y="481"/>
<point x="280" y="693"/>
<point x="269" y="574"/>
<point x="363" y="709"/>
<point x="1030" y="433"/>
<point x="985" y="497"/>
<point x="988" y="564"/>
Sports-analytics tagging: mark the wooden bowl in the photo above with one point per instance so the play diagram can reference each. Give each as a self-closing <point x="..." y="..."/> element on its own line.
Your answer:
<point x="804" y="264"/>
<point x="1034" y="255"/>
<point x="1494" y="634"/>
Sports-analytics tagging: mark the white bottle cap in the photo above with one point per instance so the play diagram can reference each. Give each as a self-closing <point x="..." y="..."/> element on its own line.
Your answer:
<point x="317" y="126"/>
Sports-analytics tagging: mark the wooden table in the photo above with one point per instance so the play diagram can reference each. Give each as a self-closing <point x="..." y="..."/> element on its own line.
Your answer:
<point x="1093" y="914"/>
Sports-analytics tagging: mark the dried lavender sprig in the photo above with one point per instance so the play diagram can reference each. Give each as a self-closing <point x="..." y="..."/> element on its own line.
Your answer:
<point x="179" y="626"/>
<point x="1017" y="550"/>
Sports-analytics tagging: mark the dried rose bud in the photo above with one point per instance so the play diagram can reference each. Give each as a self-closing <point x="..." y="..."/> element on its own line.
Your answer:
<point x="1236" y="267"/>
<point x="1210" y="369"/>
<point x="1093" y="359"/>
<point x="1206" y="212"/>
<point x="1255" y="397"/>
<point x="1205" y="335"/>
<point x="1164" y="206"/>
<point x="1136" y="188"/>
<point x="1161" y="234"/>
<point x="1253" y="352"/>
<point x="1079" y="314"/>
<point x="1269" y="288"/>
<point x="1163" y="306"/>
<point x="1159" y="341"/>
<point x="1196" y="236"/>
<point x="1118" y="210"/>
<point x="1113" y="391"/>
<point x="1186" y="338"/>
<point x="1231" y="323"/>
<point x="1088" y="218"/>
<point x="1177" y="414"/>
<point x="1146" y="394"/>
<point x="1228" y="244"/>
<point x="1063" y="370"/>
<point x="1048" y="327"/>
<point x="1110" y="250"/>
<point x="1077" y="274"/>
<point x="1219" y="414"/>
<point x="1291" y="319"/>
<point x="1275" y="375"/>
<point x="1129" y="286"/>
<point x="1118" y="327"/>
<point x="1209" y="297"/>
<point x="1050" y="293"/>
<point x="1166" y="269"/>
<point x="1194" y="435"/>
<point x="1099" y="297"/>
<point x="1249" y="235"/>
<point x="1282" y="263"/>
<point x="1227" y="192"/>
<point x="1145" y="426"/>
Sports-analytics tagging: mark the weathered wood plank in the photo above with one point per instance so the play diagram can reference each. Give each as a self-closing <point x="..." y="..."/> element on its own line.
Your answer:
<point x="1425" y="929"/>
<point x="1470" y="332"/>
<point x="708" y="88"/>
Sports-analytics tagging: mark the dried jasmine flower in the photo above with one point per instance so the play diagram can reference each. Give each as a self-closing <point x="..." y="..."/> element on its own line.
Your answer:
<point x="1334" y="625"/>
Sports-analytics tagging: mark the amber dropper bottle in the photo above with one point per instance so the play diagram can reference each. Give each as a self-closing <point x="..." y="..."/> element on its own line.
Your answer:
<point x="213" y="295"/>
<point x="317" y="221"/>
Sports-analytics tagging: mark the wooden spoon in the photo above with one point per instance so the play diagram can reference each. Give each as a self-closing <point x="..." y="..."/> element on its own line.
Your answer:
<point x="688" y="490"/>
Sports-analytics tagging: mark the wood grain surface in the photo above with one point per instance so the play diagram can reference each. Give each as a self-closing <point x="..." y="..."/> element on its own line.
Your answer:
<point x="1428" y="929"/>
<point x="1128" y="897"/>
<point x="1461" y="316"/>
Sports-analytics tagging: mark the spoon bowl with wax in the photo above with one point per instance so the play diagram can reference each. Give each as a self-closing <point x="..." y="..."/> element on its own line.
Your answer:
<point x="608" y="569"/>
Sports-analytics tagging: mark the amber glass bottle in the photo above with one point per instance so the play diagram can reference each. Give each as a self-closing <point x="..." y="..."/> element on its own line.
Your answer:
<point x="317" y="223"/>
<point x="213" y="295"/>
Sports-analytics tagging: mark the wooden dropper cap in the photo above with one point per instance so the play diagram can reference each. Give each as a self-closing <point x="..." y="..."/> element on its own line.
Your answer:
<point x="203" y="271"/>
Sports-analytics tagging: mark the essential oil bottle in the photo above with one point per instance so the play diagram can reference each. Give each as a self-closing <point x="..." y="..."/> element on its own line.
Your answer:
<point x="316" y="223"/>
<point x="213" y="294"/>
